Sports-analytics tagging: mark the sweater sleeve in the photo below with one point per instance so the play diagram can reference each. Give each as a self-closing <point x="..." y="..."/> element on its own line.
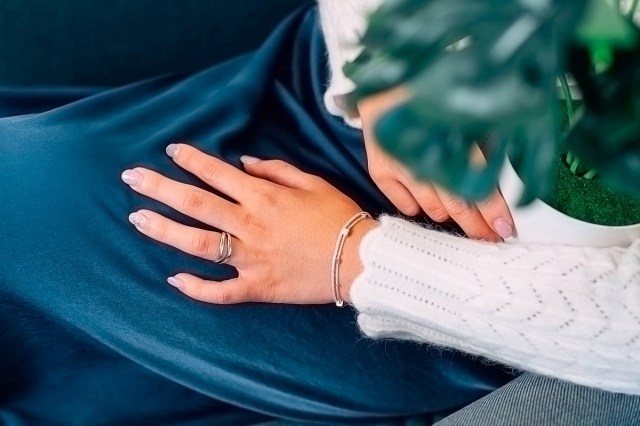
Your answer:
<point x="343" y="23"/>
<point x="567" y="312"/>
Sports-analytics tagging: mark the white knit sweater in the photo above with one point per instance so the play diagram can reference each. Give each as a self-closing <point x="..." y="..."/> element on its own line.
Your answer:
<point x="567" y="312"/>
<point x="343" y="23"/>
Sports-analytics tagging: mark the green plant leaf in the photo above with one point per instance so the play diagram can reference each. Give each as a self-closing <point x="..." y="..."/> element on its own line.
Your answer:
<point x="603" y="29"/>
<point x="606" y="134"/>
<point x="503" y="81"/>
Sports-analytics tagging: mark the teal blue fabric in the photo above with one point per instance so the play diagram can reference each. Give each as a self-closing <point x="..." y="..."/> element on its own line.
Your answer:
<point x="109" y="42"/>
<point x="89" y="330"/>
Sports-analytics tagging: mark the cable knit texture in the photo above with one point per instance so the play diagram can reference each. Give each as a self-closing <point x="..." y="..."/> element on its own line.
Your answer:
<point x="343" y="24"/>
<point x="568" y="312"/>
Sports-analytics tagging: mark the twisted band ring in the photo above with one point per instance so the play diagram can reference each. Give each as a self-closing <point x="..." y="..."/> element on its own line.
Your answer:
<point x="225" y="248"/>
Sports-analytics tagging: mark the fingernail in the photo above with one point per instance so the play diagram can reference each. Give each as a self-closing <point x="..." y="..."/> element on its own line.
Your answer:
<point x="139" y="220"/>
<point x="131" y="177"/>
<point x="176" y="282"/>
<point x="172" y="150"/>
<point x="247" y="159"/>
<point x="503" y="228"/>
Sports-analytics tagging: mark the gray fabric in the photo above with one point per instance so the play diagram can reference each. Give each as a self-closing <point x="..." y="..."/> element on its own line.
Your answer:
<point x="542" y="401"/>
<point x="416" y="421"/>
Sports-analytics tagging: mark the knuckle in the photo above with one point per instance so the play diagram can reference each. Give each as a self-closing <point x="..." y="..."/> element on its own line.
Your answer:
<point x="265" y="196"/>
<point x="250" y="222"/>
<point x="197" y="291"/>
<point x="210" y="172"/>
<point x="268" y="198"/>
<point x="491" y="237"/>
<point x="193" y="200"/>
<point x="278" y="165"/>
<point x="457" y="206"/>
<point x="223" y="297"/>
<point x="159" y="230"/>
<point x="493" y="206"/>
<point x="314" y="182"/>
<point x="201" y="244"/>
<point x="377" y="175"/>
<point x="411" y="210"/>
<point x="493" y="200"/>
<point x="247" y="219"/>
<point x="152" y="185"/>
<point x="438" y="214"/>
<point x="390" y="187"/>
<point x="481" y="234"/>
<point x="408" y="206"/>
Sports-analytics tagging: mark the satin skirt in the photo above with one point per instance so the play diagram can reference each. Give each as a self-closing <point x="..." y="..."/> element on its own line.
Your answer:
<point x="90" y="333"/>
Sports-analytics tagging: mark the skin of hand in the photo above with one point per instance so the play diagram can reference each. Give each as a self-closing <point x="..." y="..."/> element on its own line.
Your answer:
<point x="488" y="220"/>
<point x="283" y="222"/>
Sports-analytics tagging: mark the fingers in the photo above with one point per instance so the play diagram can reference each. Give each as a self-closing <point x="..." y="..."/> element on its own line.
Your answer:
<point x="192" y="201"/>
<point x="194" y="241"/>
<point x="441" y="206"/>
<point x="212" y="171"/>
<point x="266" y="220"/>
<point x="228" y="292"/>
<point x="429" y="201"/>
<point x="467" y="216"/>
<point x="279" y="172"/>
<point x="493" y="209"/>
<point x="488" y="220"/>
<point x="400" y="196"/>
<point x="198" y="242"/>
<point x="496" y="213"/>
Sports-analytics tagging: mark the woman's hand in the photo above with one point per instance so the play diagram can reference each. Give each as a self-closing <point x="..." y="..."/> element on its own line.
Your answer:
<point x="489" y="220"/>
<point x="283" y="225"/>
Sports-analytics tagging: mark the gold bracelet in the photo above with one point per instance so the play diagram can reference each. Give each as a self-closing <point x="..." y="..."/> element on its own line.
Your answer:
<point x="337" y="253"/>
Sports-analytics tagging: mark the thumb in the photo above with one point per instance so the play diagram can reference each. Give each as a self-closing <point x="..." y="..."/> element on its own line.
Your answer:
<point x="277" y="171"/>
<point x="235" y="290"/>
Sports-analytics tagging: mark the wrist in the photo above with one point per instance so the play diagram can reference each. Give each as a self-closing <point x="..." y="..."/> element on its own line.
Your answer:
<point x="350" y="264"/>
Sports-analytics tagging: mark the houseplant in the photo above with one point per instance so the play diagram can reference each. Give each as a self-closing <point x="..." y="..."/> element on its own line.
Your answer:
<point x="502" y="88"/>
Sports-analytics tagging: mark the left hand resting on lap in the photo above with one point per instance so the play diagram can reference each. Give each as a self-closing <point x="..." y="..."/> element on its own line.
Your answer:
<point x="283" y="224"/>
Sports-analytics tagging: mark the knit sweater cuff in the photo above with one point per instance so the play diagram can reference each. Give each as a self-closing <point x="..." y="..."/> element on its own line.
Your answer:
<point x="411" y="281"/>
<point x="566" y="312"/>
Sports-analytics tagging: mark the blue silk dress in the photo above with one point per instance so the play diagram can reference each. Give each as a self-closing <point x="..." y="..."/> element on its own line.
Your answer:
<point x="90" y="333"/>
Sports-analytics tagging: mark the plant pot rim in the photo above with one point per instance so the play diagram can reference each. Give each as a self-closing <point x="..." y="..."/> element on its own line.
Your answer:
<point x="540" y="223"/>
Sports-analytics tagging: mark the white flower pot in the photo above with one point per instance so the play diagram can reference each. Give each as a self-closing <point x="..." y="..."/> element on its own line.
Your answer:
<point x="540" y="223"/>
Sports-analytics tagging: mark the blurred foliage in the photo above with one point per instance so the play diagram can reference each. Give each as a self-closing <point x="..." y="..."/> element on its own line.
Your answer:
<point x="488" y="70"/>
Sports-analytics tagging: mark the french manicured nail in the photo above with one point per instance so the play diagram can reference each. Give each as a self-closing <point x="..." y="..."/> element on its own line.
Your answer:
<point x="503" y="228"/>
<point x="172" y="150"/>
<point x="247" y="159"/>
<point x="139" y="220"/>
<point x="176" y="282"/>
<point x="131" y="177"/>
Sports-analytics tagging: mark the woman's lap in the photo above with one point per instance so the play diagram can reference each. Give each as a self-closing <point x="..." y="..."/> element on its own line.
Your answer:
<point x="84" y="295"/>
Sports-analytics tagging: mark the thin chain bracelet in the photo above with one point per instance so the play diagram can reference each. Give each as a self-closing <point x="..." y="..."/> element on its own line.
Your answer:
<point x="337" y="253"/>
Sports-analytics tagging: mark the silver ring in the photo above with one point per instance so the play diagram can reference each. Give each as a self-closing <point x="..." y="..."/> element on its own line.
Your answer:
<point x="229" y="249"/>
<point x="225" y="249"/>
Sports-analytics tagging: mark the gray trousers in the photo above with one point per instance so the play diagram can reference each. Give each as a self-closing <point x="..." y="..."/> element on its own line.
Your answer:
<point x="532" y="400"/>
